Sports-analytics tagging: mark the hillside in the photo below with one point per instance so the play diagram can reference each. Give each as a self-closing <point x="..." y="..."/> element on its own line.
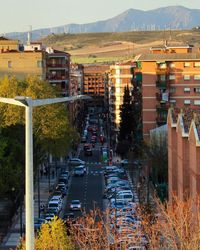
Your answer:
<point x="171" y="17"/>
<point x="90" y="47"/>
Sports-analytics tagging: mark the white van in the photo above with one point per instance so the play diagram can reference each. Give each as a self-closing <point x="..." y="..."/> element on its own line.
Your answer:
<point x="124" y="197"/>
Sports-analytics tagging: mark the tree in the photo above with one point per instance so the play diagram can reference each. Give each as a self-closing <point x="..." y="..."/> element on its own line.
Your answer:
<point x="50" y="122"/>
<point x="137" y="136"/>
<point x="52" y="235"/>
<point x="176" y="226"/>
<point x="126" y="122"/>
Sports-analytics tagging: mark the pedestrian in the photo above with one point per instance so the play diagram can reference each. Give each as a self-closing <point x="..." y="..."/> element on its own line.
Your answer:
<point x="41" y="172"/>
<point x="53" y="173"/>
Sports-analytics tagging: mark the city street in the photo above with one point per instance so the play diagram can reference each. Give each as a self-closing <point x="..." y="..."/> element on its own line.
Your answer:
<point x="89" y="188"/>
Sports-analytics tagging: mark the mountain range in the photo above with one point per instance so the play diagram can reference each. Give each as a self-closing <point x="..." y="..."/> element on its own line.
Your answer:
<point x="172" y="17"/>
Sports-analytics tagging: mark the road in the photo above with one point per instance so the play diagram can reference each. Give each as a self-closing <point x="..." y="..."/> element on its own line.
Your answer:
<point x="88" y="189"/>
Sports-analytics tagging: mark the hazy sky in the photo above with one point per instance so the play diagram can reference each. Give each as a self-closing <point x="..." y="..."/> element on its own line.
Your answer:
<point x="19" y="15"/>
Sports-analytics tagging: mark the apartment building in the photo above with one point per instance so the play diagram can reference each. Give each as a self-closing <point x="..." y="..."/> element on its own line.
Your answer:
<point x="35" y="59"/>
<point x="95" y="86"/>
<point x="169" y="78"/>
<point x="183" y="153"/>
<point x="58" y="70"/>
<point x="14" y="60"/>
<point x="76" y="88"/>
<point x="120" y="76"/>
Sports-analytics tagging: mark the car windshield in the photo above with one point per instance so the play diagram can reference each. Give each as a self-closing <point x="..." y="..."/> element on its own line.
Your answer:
<point x="75" y="202"/>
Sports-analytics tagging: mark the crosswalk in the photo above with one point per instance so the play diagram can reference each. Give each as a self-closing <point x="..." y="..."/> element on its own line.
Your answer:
<point x="93" y="172"/>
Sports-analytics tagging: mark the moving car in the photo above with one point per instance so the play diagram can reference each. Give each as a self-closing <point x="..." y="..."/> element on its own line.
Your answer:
<point x="75" y="205"/>
<point x="76" y="162"/>
<point x="79" y="171"/>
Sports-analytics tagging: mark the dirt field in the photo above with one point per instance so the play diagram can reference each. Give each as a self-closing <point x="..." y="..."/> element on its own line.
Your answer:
<point x="94" y="47"/>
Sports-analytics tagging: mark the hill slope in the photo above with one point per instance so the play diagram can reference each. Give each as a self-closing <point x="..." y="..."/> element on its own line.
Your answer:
<point x="172" y="17"/>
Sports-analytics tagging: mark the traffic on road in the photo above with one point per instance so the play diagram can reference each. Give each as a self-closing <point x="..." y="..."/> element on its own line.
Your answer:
<point x="92" y="181"/>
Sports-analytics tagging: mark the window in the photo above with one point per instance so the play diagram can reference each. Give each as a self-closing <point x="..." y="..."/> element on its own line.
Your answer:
<point x="197" y="64"/>
<point x="186" y="89"/>
<point x="172" y="65"/>
<point x="196" y="102"/>
<point x="172" y="101"/>
<point x="197" y="90"/>
<point x="172" y="90"/>
<point x="117" y="71"/>
<point x="186" y="64"/>
<point x="187" y="102"/>
<point x="186" y="77"/>
<point x="171" y="77"/>
<point x="162" y="77"/>
<point x="9" y="64"/>
<point x="39" y="64"/>
<point x="196" y="77"/>
<point x="162" y="66"/>
<point x="117" y="90"/>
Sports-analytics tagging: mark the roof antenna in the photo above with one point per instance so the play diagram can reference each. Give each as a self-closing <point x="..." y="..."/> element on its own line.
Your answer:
<point x="29" y="35"/>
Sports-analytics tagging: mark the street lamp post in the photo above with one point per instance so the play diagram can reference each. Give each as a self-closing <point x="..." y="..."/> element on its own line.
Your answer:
<point x="29" y="103"/>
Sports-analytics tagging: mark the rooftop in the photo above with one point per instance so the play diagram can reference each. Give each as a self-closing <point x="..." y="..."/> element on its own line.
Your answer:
<point x="169" y="57"/>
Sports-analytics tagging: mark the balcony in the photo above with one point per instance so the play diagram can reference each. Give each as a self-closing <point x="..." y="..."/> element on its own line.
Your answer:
<point x="162" y="84"/>
<point x="161" y="120"/>
<point x="57" y="77"/>
<point x="158" y="97"/>
<point x="162" y="71"/>
<point x="57" y="65"/>
<point x="162" y="109"/>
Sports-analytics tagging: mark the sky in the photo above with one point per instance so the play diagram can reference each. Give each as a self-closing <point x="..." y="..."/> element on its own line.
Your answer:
<point x="19" y="15"/>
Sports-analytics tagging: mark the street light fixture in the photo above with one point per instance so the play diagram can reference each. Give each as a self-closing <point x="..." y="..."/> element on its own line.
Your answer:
<point x="29" y="103"/>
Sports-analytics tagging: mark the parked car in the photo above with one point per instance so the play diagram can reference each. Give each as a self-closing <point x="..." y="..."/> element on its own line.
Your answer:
<point x="54" y="205"/>
<point x="124" y="162"/>
<point x="38" y="222"/>
<point x="83" y="139"/>
<point x="76" y="162"/>
<point x="75" y="205"/>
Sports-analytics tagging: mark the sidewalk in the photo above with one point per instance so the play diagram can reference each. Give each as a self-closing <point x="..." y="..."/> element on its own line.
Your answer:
<point x="13" y="236"/>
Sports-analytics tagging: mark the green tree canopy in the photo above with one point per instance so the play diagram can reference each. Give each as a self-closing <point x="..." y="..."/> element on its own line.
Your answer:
<point x="50" y="122"/>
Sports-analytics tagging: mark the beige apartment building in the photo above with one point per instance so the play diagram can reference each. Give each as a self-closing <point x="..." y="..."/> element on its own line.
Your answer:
<point x="15" y="61"/>
<point x="119" y="77"/>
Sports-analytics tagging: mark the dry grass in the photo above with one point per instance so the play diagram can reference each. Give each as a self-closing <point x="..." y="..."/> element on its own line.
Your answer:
<point x="123" y="44"/>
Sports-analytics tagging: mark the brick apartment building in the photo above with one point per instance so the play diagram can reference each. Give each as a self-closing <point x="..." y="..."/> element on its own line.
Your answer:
<point x="170" y="77"/>
<point x="184" y="153"/>
<point x="58" y="70"/>
<point x="94" y="85"/>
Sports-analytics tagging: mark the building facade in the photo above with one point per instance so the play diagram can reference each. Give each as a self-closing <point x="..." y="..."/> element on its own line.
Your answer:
<point x="15" y="61"/>
<point x="120" y="76"/>
<point x="95" y="86"/>
<point x="183" y="153"/>
<point x="58" y="70"/>
<point x="168" y="79"/>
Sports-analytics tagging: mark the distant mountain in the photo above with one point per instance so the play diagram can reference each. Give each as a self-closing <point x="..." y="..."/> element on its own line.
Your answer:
<point x="172" y="17"/>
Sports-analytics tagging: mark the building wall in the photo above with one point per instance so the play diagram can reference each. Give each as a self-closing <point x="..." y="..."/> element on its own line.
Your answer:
<point x="94" y="80"/>
<point x="182" y="86"/>
<point x="183" y="160"/>
<point x="8" y="45"/>
<point x="21" y="64"/>
<point x="119" y="77"/>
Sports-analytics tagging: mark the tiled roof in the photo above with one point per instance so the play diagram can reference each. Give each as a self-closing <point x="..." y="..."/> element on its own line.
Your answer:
<point x="169" y="57"/>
